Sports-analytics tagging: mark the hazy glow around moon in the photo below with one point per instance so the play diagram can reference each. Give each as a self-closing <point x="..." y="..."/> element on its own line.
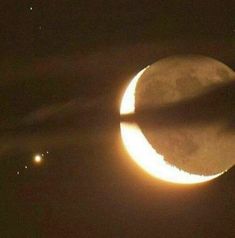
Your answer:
<point x="141" y="150"/>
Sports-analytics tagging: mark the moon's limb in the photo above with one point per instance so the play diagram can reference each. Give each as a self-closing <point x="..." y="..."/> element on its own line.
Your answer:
<point x="128" y="100"/>
<point x="146" y="157"/>
<point x="143" y="153"/>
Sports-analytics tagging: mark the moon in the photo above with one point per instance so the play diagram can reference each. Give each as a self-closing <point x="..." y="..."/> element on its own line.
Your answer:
<point x="204" y="148"/>
<point x="137" y="144"/>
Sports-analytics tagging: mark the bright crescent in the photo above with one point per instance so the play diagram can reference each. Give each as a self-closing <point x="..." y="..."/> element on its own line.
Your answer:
<point x="141" y="150"/>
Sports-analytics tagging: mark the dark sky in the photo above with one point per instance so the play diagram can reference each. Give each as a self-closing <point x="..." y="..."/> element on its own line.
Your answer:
<point x="64" y="66"/>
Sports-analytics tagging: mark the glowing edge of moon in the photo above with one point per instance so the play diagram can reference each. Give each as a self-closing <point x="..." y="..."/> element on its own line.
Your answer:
<point x="141" y="150"/>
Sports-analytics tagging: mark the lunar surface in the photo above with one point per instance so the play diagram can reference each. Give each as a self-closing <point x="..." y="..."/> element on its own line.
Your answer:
<point x="142" y="152"/>
<point x="197" y="148"/>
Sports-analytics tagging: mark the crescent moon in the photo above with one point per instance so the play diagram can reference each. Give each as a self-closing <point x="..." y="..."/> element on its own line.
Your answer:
<point x="141" y="151"/>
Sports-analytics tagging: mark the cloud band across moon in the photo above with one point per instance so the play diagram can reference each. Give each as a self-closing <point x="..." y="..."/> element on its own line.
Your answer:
<point x="217" y="103"/>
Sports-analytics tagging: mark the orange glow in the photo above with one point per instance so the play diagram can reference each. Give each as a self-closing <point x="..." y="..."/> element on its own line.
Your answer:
<point x="38" y="159"/>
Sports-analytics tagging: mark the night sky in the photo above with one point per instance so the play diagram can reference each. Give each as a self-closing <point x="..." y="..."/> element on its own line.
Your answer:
<point x="64" y="66"/>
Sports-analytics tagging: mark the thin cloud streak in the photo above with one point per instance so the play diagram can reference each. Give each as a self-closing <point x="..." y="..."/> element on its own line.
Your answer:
<point x="216" y="104"/>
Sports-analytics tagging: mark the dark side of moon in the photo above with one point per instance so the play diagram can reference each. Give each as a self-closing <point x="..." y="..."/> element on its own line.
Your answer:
<point x="184" y="107"/>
